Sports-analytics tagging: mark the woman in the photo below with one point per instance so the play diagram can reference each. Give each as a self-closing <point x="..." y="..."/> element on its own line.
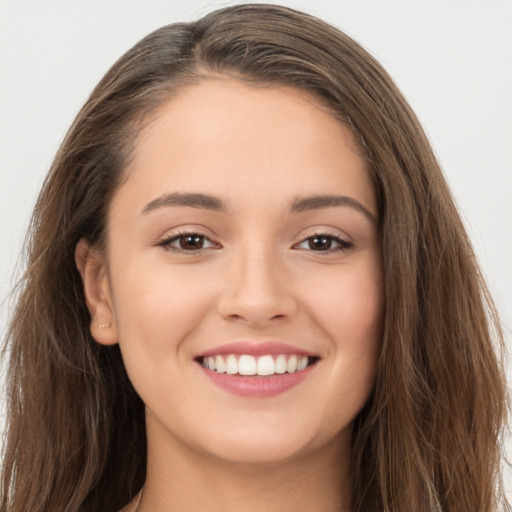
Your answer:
<point x="248" y="286"/>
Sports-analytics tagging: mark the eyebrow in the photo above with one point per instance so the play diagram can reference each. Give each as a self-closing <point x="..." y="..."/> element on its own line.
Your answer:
<point x="328" y="201"/>
<point x="191" y="200"/>
<point x="299" y="205"/>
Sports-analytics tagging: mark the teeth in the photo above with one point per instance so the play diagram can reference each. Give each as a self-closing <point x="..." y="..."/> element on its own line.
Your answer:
<point x="220" y="366"/>
<point x="302" y="363"/>
<point x="291" y="365"/>
<point x="266" y="366"/>
<point x="247" y="365"/>
<point x="280" y="364"/>
<point x="231" y="364"/>
<point x="250" y="365"/>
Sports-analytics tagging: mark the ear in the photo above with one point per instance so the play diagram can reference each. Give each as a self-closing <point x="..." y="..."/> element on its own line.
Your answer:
<point x="93" y="269"/>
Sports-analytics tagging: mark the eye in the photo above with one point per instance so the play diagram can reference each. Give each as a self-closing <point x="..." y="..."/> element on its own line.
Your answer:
<point x="324" y="243"/>
<point x="187" y="242"/>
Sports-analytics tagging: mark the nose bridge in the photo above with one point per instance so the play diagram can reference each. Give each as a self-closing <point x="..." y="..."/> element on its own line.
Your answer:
<point x="257" y="291"/>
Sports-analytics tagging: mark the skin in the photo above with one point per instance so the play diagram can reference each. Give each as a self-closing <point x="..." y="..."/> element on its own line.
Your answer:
<point x="256" y="278"/>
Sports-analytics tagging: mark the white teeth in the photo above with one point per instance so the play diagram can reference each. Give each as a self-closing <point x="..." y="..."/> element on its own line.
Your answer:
<point x="220" y="365"/>
<point x="303" y="362"/>
<point x="280" y="364"/>
<point x="291" y="365"/>
<point x="231" y="365"/>
<point x="266" y="365"/>
<point x="249" y="365"/>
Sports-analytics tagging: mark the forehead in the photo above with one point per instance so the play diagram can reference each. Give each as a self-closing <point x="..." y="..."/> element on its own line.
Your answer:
<point x="214" y="106"/>
<point x="228" y="138"/>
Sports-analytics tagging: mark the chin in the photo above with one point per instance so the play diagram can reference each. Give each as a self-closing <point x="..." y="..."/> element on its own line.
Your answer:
<point x="263" y="446"/>
<point x="254" y="453"/>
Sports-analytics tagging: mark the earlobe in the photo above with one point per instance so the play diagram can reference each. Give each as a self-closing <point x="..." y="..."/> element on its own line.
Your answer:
<point x="93" y="269"/>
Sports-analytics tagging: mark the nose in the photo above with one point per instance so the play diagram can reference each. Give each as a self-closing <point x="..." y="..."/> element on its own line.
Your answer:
<point x="257" y="291"/>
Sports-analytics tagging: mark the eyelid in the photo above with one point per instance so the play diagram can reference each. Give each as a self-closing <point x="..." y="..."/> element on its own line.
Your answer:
<point x="344" y="244"/>
<point x="166" y="241"/>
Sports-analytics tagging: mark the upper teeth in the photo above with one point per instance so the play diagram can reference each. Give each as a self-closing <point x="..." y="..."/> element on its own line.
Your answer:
<point x="250" y="365"/>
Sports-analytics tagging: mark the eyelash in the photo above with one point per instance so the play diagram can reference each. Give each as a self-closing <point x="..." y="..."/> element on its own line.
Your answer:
<point x="343" y="245"/>
<point x="166" y="243"/>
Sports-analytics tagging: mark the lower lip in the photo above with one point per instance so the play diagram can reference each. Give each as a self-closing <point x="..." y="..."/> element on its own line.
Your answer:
<point x="256" y="386"/>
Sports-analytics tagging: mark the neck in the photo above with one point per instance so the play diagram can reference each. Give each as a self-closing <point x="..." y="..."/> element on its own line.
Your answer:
<point x="181" y="479"/>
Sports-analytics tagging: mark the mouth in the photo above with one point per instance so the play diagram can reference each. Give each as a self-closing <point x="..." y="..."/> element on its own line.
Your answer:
<point x="257" y="370"/>
<point x="266" y="365"/>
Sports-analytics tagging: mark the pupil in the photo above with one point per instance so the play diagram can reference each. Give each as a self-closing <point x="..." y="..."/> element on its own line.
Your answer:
<point x="320" y="242"/>
<point x="191" y="242"/>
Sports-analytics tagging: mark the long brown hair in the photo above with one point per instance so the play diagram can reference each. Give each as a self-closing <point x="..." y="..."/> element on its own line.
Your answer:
<point x="429" y="436"/>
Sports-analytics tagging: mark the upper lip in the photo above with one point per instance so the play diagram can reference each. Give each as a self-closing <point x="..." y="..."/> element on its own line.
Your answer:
<point x="256" y="349"/>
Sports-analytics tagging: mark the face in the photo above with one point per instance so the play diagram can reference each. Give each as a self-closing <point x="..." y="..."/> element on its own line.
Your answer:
<point x="244" y="239"/>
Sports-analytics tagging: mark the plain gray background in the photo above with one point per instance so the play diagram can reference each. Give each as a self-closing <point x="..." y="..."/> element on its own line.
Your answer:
<point x="452" y="60"/>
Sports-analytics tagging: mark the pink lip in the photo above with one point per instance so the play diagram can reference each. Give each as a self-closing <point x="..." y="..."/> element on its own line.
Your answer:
<point x="257" y="387"/>
<point x="255" y="349"/>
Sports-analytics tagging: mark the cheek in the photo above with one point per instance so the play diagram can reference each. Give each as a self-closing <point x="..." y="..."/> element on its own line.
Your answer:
<point x="156" y="305"/>
<point x="351" y="314"/>
<point x="357" y="329"/>
<point x="350" y="306"/>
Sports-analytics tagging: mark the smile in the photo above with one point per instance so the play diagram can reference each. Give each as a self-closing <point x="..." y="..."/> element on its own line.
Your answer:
<point x="264" y="365"/>
<point x="257" y="370"/>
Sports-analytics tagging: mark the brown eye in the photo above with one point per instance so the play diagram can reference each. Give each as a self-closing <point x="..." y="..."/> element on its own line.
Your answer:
<point x="320" y="243"/>
<point x="188" y="243"/>
<point x="324" y="243"/>
<point x="191" y="242"/>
